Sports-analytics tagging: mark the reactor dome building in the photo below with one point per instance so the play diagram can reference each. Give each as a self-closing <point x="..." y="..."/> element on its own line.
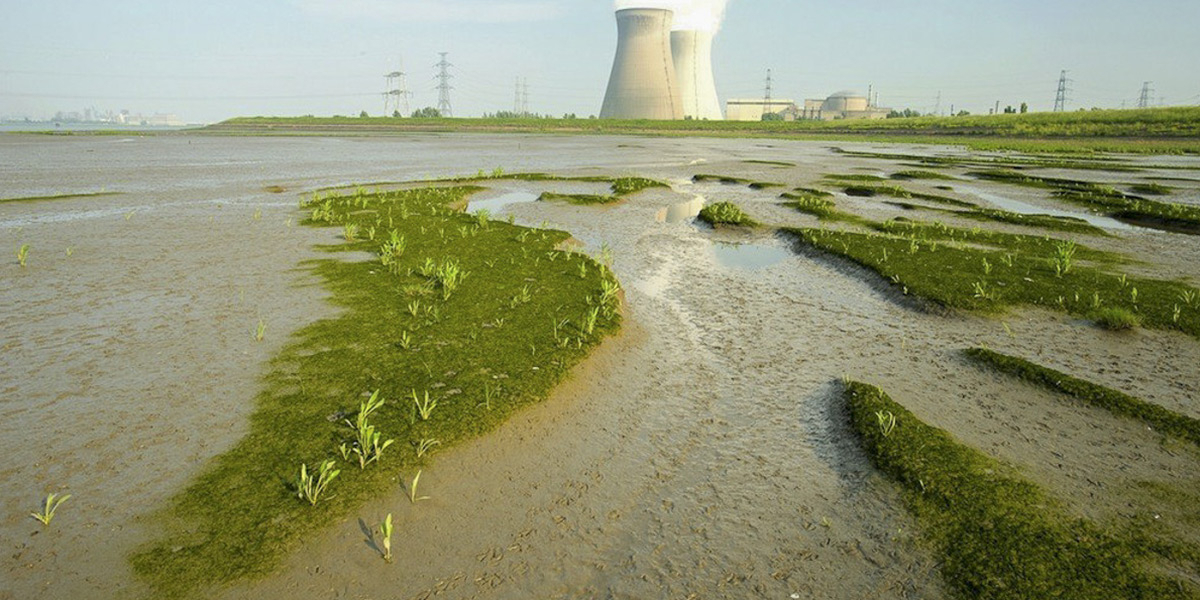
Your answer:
<point x="660" y="74"/>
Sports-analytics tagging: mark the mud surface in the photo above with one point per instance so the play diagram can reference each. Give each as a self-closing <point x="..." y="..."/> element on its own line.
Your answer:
<point x="704" y="453"/>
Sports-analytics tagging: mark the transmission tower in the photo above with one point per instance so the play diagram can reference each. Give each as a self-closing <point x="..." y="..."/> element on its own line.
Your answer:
<point x="525" y="96"/>
<point x="395" y="98"/>
<point x="767" y="94"/>
<point x="1144" y="101"/>
<point x="444" y="87"/>
<point x="517" y="98"/>
<point x="937" y="109"/>
<point x="1060" y="100"/>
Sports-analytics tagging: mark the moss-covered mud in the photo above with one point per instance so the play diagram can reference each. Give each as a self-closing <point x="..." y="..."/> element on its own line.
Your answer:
<point x="523" y="314"/>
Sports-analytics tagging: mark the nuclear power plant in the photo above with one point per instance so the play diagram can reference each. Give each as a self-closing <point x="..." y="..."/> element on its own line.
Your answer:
<point x="660" y="74"/>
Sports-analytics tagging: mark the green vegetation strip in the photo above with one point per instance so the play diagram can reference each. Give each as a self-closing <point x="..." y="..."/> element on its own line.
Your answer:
<point x="1151" y="131"/>
<point x="1165" y="421"/>
<point x="1051" y="222"/>
<point x="726" y="213"/>
<point x="457" y="323"/>
<point x="895" y="191"/>
<point x="59" y="197"/>
<point x="988" y="272"/>
<point x="997" y="535"/>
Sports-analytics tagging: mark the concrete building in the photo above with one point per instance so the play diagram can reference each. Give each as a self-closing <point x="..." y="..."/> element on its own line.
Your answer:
<point x="643" y="83"/>
<point x="692" y="54"/>
<point x="753" y="109"/>
<point x="843" y="105"/>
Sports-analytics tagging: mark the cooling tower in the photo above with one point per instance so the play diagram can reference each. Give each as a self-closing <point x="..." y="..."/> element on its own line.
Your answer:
<point x="642" y="84"/>
<point x="692" y="53"/>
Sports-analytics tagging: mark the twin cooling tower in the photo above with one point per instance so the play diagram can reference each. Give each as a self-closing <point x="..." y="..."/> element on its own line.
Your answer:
<point x="660" y="74"/>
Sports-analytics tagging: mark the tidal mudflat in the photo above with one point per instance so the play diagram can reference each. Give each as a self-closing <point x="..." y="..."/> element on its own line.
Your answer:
<point x="711" y="448"/>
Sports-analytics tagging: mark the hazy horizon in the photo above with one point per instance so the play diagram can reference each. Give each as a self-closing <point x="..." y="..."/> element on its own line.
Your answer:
<point x="212" y="61"/>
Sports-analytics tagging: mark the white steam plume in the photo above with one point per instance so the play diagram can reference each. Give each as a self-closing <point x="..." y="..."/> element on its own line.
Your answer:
<point x="700" y="15"/>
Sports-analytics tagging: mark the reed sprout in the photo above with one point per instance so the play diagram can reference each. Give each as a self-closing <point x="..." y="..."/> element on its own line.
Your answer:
<point x="310" y="487"/>
<point x="385" y="532"/>
<point x="412" y="490"/>
<point x="424" y="406"/>
<point x="49" y="507"/>
<point x="22" y="254"/>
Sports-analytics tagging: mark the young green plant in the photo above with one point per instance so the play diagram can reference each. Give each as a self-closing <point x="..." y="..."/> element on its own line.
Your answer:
<point x="49" y="506"/>
<point x="310" y="487"/>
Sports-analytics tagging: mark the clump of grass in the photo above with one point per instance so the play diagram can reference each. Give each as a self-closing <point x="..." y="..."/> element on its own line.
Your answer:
<point x="726" y="213"/>
<point x="813" y="205"/>
<point x="22" y="254"/>
<point x="997" y="535"/>
<point x="627" y="186"/>
<point x="49" y="507"/>
<point x="385" y="534"/>
<point x="764" y="185"/>
<point x="1163" y="420"/>
<point x="1152" y="189"/>
<point x="1114" y="318"/>
<point x="895" y="191"/>
<point x="310" y="487"/>
<point x="812" y="192"/>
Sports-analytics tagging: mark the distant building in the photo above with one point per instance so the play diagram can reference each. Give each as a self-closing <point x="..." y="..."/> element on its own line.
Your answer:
<point x="843" y="105"/>
<point x="753" y="109"/>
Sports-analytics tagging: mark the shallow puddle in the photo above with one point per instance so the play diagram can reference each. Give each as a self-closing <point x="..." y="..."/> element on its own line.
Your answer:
<point x="749" y="256"/>
<point x="498" y="203"/>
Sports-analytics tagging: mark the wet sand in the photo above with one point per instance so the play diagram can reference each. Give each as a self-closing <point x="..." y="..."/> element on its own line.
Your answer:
<point x="704" y="453"/>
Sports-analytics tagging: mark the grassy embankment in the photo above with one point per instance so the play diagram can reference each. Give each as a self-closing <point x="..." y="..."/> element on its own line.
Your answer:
<point x="622" y="187"/>
<point x="1151" y="131"/>
<point x="458" y="322"/>
<point x="997" y="535"/>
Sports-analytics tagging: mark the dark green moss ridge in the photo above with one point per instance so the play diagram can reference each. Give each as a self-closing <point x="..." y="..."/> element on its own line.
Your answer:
<point x="514" y="327"/>
<point x="1075" y="163"/>
<point x="620" y="186"/>
<point x="1108" y="200"/>
<point x="703" y="177"/>
<point x="997" y="535"/>
<point x="895" y="191"/>
<point x="59" y="197"/>
<point x="907" y="175"/>
<point x="579" y="199"/>
<point x="856" y="177"/>
<point x="726" y="213"/>
<point x="948" y="274"/>
<point x="772" y="163"/>
<point x="1161" y="419"/>
<point x="1051" y="222"/>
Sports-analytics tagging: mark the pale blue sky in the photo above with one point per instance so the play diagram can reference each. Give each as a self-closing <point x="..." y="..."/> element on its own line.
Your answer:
<point x="211" y="60"/>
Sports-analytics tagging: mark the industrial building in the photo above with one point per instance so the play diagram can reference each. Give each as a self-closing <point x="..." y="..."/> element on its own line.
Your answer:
<point x="660" y="74"/>
<point x="845" y="104"/>
<point x="753" y="109"/>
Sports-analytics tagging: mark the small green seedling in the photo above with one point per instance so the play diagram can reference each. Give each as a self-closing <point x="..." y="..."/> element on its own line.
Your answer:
<point x="260" y="330"/>
<point x="385" y="531"/>
<point x="424" y="407"/>
<point x="424" y="446"/>
<point x="50" y="505"/>
<point x="309" y="487"/>
<point x="887" y="422"/>
<point x="412" y="490"/>
<point x="22" y="254"/>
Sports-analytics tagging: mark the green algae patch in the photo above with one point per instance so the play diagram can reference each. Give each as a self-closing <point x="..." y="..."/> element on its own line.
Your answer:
<point x="1161" y="419"/>
<point x="997" y="535"/>
<point x="481" y="317"/>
